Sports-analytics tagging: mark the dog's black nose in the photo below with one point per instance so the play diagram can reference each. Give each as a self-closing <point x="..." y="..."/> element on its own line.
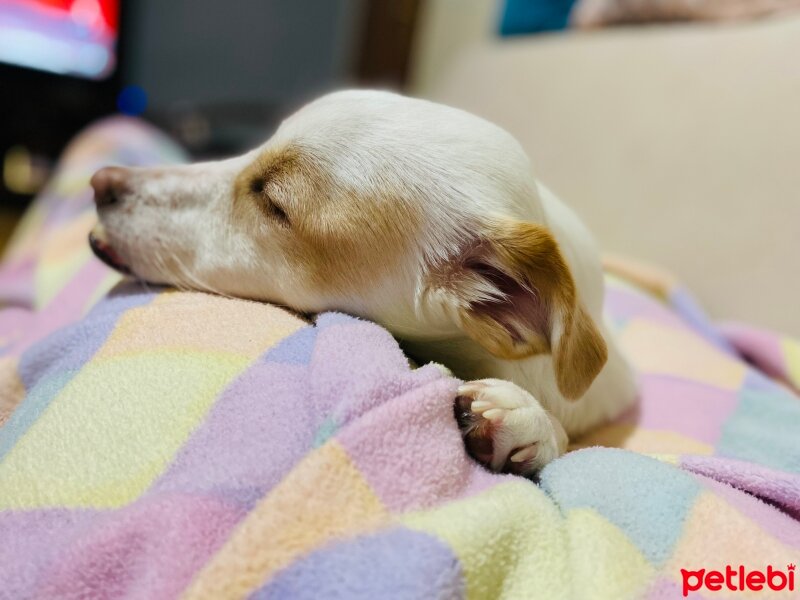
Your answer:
<point x="109" y="183"/>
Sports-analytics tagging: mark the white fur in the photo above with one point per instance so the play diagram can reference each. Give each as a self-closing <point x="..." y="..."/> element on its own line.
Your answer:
<point x="449" y="168"/>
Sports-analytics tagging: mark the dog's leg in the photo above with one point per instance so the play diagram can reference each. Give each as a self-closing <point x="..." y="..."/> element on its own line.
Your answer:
<point x="506" y="428"/>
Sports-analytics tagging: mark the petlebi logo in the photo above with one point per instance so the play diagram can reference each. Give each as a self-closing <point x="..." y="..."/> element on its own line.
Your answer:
<point x="739" y="579"/>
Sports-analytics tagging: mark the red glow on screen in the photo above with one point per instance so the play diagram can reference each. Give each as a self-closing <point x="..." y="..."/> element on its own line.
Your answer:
<point x="108" y="9"/>
<point x="75" y="37"/>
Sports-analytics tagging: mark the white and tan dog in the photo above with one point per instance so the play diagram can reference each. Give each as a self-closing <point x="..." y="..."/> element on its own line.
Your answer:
<point x="417" y="216"/>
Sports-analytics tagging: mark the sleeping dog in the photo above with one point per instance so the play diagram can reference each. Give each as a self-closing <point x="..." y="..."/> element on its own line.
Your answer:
<point x="420" y="217"/>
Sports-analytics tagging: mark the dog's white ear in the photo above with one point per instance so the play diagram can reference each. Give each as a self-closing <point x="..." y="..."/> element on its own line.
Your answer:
<point x="515" y="296"/>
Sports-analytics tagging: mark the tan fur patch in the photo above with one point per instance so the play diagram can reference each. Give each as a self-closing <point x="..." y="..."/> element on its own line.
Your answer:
<point x="498" y="341"/>
<point x="580" y="354"/>
<point x="517" y="298"/>
<point x="341" y="241"/>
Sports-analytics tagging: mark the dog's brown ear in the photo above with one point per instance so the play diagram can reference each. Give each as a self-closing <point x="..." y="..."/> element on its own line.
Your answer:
<point x="515" y="296"/>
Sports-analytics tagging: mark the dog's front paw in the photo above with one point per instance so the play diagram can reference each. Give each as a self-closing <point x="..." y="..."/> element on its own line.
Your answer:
<point x="506" y="428"/>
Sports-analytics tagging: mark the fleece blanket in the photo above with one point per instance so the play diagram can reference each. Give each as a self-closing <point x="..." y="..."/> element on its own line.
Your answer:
<point x="160" y="444"/>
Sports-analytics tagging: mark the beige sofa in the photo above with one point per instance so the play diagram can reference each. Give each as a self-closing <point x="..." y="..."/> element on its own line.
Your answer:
<point x="677" y="144"/>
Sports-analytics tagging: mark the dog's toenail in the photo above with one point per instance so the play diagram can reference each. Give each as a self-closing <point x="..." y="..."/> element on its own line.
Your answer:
<point x="525" y="454"/>
<point x="479" y="405"/>
<point x="494" y="414"/>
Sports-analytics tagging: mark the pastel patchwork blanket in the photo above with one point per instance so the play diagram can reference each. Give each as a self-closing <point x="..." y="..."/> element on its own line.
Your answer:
<point x="160" y="444"/>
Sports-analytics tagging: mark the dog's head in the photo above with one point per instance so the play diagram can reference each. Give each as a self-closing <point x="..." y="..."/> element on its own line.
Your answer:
<point x="421" y="217"/>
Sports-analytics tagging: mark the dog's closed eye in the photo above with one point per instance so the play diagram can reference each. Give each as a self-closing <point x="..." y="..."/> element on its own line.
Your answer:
<point x="277" y="212"/>
<point x="259" y="187"/>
